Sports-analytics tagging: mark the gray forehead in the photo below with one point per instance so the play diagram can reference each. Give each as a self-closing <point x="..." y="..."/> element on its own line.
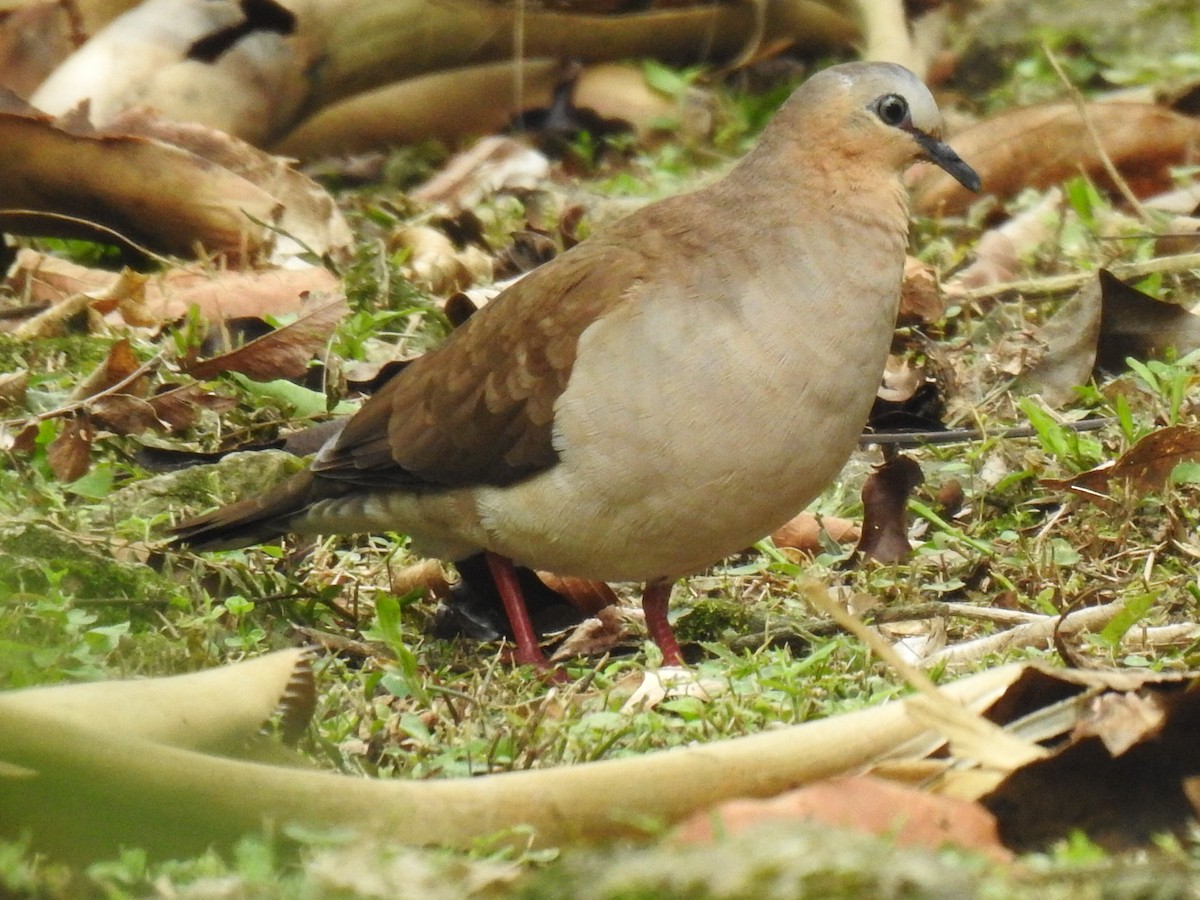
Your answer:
<point x="867" y="82"/>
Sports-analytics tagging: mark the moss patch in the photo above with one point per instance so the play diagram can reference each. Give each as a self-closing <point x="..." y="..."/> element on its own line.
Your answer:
<point x="39" y="560"/>
<point x="235" y="477"/>
<point x="713" y="619"/>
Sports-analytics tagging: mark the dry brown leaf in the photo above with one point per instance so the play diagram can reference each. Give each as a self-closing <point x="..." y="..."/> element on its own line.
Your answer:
<point x="282" y="353"/>
<point x="528" y="249"/>
<point x="63" y="178"/>
<point x="88" y="15"/>
<point x="902" y="378"/>
<point x="118" y="364"/>
<point x="1000" y="250"/>
<point x="70" y="453"/>
<point x="1146" y="465"/>
<point x="427" y="575"/>
<point x="135" y="311"/>
<point x="1135" y="324"/>
<point x="219" y="295"/>
<point x="12" y="388"/>
<point x="483" y="99"/>
<point x="368" y="377"/>
<point x="123" y="414"/>
<point x="111" y="398"/>
<point x="1182" y="201"/>
<point x="179" y="407"/>
<point x="912" y="817"/>
<point x="589" y="597"/>
<point x="619" y="91"/>
<point x="916" y="641"/>
<point x="1101" y="326"/>
<point x="1064" y="354"/>
<point x="803" y="533"/>
<point x="492" y="164"/>
<point x="920" y="298"/>
<point x="950" y="497"/>
<point x="1041" y="146"/>
<point x="885" y="509"/>
<point x="307" y="219"/>
<point x="435" y="264"/>
<point x="1121" y="720"/>
<point x="264" y="83"/>
<point x="144" y="190"/>
<point x="25" y="440"/>
<point x="453" y="105"/>
<point x="667" y="683"/>
<point x="54" y="320"/>
<point x="606" y="630"/>
<point x="1118" y="799"/>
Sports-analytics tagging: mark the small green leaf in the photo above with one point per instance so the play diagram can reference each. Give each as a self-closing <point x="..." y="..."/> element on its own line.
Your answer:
<point x="238" y="605"/>
<point x="1186" y="472"/>
<point x="104" y="638"/>
<point x="1132" y="611"/>
<point x="96" y="484"/>
<point x="414" y="726"/>
<point x="1084" y="199"/>
<point x="1063" y="554"/>
<point x="1143" y="372"/>
<point x="690" y="709"/>
<point x="1050" y="434"/>
<point x="1125" y="418"/>
<point x="665" y="80"/>
<point x="303" y="401"/>
<point x="387" y="620"/>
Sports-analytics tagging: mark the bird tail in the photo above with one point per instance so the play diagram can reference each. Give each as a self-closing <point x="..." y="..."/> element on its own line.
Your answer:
<point x="252" y="521"/>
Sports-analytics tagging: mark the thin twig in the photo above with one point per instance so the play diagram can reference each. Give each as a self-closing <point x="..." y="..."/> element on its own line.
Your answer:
<point x="1181" y="634"/>
<point x="84" y="602"/>
<point x="144" y="369"/>
<point x="103" y="229"/>
<point x="965" y="435"/>
<point x="1105" y="159"/>
<point x="519" y="61"/>
<point x="970" y="734"/>
<point x="1039" y="634"/>
<point x="818" y="596"/>
<point x="339" y="643"/>
<point x="1060" y="284"/>
<point x="941" y="608"/>
<point x="754" y="39"/>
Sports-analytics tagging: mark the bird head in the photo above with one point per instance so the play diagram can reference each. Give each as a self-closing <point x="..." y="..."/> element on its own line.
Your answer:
<point x="870" y="115"/>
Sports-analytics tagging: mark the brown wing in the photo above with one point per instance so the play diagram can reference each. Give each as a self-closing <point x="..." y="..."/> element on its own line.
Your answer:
<point x="479" y="409"/>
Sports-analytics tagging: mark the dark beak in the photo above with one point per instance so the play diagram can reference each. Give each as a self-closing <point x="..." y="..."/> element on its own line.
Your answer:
<point x="943" y="155"/>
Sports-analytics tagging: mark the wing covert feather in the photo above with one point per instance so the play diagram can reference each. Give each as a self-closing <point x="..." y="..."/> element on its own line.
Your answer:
<point x="479" y="408"/>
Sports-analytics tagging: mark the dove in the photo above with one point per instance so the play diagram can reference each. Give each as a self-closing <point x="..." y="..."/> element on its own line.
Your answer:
<point x="660" y="396"/>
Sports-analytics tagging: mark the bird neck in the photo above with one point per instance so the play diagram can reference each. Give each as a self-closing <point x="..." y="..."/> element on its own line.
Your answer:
<point x="844" y="192"/>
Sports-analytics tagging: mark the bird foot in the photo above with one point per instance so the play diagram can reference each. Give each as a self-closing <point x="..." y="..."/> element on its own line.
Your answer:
<point x="654" y="605"/>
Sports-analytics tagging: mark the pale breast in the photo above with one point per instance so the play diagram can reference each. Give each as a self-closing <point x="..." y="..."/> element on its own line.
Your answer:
<point x="694" y="424"/>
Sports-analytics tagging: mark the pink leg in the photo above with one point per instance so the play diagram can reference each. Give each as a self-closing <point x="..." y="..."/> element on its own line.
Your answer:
<point x="528" y="651"/>
<point x="654" y="605"/>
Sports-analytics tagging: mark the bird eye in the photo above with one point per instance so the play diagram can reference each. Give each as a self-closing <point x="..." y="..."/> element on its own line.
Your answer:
<point x="892" y="109"/>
